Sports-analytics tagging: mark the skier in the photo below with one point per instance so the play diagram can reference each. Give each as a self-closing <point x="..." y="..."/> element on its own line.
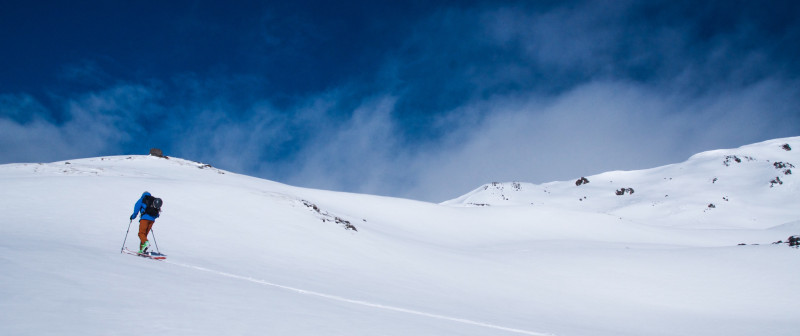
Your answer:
<point x="150" y="207"/>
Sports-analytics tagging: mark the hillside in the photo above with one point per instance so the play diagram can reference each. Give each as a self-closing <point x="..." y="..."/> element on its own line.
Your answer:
<point x="247" y="256"/>
<point x="752" y="186"/>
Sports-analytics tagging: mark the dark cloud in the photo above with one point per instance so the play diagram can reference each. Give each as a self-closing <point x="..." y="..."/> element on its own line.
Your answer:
<point x="433" y="101"/>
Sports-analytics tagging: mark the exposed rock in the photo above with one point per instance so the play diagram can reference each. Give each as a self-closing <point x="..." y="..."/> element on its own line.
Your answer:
<point x="782" y="165"/>
<point x="158" y="153"/>
<point x="623" y="191"/>
<point x="794" y="241"/>
<point x="581" y="180"/>
<point x="326" y="217"/>
<point x="737" y="159"/>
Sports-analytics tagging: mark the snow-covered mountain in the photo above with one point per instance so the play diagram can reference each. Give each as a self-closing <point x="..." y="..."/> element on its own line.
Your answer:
<point x="247" y="256"/>
<point x="752" y="186"/>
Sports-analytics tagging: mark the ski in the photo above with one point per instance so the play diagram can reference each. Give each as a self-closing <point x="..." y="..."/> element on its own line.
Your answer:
<point x="154" y="255"/>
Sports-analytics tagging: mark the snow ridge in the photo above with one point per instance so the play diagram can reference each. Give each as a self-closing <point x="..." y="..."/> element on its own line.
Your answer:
<point x="751" y="183"/>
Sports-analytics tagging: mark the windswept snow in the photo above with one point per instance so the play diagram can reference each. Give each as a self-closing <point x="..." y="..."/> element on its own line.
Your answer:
<point x="251" y="257"/>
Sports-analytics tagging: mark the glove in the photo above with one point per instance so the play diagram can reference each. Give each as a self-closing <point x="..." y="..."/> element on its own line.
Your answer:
<point x="133" y="217"/>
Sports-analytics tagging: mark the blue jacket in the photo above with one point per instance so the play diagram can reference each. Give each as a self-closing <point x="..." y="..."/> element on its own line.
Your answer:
<point x="140" y="206"/>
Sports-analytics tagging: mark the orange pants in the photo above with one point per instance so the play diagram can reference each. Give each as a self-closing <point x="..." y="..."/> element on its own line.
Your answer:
<point x="144" y="230"/>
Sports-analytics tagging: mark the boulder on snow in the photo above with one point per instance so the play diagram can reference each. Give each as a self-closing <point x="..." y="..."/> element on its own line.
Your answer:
<point x="623" y="191"/>
<point x="157" y="152"/>
<point x="581" y="180"/>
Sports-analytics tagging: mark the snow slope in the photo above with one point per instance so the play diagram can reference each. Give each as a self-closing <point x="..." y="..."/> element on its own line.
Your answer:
<point x="736" y="188"/>
<point x="253" y="257"/>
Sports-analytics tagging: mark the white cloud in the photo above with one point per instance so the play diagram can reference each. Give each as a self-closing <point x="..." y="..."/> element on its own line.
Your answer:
<point x="360" y="154"/>
<point x="595" y="127"/>
<point x="599" y="127"/>
<point x="93" y="124"/>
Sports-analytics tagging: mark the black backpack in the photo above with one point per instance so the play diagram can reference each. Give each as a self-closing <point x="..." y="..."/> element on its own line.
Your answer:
<point x="152" y="205"/>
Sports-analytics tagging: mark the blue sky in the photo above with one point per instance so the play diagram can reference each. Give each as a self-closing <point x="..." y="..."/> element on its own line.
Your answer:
<point x="419" y="99"/>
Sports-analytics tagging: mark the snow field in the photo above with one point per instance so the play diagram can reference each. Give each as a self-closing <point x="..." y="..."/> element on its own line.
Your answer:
<point x="249" y="257"/>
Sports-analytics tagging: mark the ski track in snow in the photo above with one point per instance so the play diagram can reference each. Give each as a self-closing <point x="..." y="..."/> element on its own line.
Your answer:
<point x="363" y="303"/>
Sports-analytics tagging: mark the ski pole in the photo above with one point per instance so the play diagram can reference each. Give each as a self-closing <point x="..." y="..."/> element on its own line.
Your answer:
<point x="126" y="236"/>
<point x="154" y="240"/>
